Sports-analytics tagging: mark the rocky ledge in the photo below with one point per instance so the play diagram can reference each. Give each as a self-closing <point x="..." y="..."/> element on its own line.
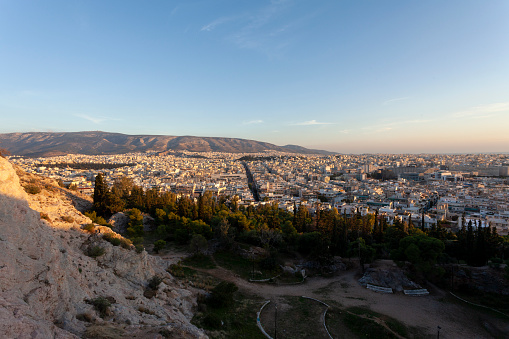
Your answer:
<point x="52" y="286"/>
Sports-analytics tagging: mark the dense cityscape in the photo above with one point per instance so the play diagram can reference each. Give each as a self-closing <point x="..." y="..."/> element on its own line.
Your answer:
<point x="254" y="169"/>
<point x="425" y="187"/>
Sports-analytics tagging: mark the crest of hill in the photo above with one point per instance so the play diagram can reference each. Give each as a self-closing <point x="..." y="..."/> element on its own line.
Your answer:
<point x="48" y="283"/>
<point x="43" y="144"/>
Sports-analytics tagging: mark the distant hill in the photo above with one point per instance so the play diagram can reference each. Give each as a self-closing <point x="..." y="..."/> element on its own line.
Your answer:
<point x="44" y="144"/>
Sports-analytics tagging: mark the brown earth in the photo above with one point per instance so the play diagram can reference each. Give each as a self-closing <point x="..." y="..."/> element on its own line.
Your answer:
<point x="455" y="318"/>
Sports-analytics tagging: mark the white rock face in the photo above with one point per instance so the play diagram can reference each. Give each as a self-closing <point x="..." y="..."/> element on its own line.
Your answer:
<point x="46" y="279"/>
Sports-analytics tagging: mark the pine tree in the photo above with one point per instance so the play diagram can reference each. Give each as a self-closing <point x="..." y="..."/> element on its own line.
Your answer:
<point x="470" y="243"/>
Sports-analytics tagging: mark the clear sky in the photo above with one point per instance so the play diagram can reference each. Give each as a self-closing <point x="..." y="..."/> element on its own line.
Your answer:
<point x="352" y="76"/>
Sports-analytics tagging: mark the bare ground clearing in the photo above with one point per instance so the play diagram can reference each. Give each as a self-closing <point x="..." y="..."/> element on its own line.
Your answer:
<point x="455" y="319"/>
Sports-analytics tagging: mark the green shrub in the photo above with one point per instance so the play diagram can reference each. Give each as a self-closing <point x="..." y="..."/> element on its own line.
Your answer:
<point x="137" y="240"/>
<point x="198" y="244"/>
<point x="32" y="189"/>
<point x="101" y="305"/>
<point x="67" y="218"/>
<point x="111" y="239"/>
<point x="126" y="243"/>
<point x="89" y="228"/>
<point x="115" y="241"/>
<point x="159" y="245"/>
<point x="95" y="251"/>
<point x="212" y="321"/>
<point x="96" y="219"/>
<point x="182" y="236"/>
<point x="222" y="295"/>
<point x="177" y="270"/>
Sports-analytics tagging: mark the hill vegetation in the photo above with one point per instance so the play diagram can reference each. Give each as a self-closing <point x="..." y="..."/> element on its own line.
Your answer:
<point x="319" y="236"/>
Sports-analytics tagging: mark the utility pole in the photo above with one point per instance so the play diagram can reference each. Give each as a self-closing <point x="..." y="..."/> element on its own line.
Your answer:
<point x="252" y="271"/>
<point x="275" y="324"/>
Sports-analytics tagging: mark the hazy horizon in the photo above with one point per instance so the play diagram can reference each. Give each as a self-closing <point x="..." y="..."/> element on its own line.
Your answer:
<point x="343" y="76"/>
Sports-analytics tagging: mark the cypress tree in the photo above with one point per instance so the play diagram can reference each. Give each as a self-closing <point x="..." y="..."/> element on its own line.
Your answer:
<point x="100" y="194"/>
<point x="470" y="243"/>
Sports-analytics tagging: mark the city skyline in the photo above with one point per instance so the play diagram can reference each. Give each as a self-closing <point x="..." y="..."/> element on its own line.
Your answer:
<point x="348" y="77"/>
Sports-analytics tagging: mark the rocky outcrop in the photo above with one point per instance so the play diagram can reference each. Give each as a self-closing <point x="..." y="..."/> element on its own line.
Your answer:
<point x="118" y="222"/>
<point x="484" y="279"/>
<point x="50" y="288"/>
<point x="393" y="278"/>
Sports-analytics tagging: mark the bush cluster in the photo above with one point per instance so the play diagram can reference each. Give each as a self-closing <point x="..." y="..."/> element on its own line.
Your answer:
<point x="33" y="189"/>
<point x="90" y="228"/>
<point x="95" y="251"/>
<point x="117" y="241"/>
<point x="101" y="305"/>
<point x="67" y="218"/>
<point x="222" y="295"/>
<point x="154" y="282"/>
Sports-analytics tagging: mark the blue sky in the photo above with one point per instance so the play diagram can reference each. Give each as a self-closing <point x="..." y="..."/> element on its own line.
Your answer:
<point x="352" y="76"/>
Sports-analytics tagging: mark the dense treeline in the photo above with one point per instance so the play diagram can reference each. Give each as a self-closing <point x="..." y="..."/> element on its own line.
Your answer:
<point x="322" y="235"/>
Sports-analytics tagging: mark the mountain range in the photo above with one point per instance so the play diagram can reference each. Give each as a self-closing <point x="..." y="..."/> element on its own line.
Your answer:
<point x="44" y="144"/>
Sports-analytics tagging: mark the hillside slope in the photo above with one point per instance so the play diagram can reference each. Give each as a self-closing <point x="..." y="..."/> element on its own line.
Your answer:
<point x="47" y="282"/>
<point x="38" y="144"/>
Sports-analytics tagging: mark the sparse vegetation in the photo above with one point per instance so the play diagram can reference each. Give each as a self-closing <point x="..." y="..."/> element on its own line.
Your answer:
<point x="365" y="327"/>
<point x="198" y="244"/>
<point x="90" y="228"/>
<point x="95" y="251"/>
<point x="96" y="219"/>
<point x="159" y="245"/>
<point x="33" y="189"/>
<point x="222" y="295"/>
<point x="126" y="243"/>
<point x="152" y="287"/>
<point x="177" y="270"/>
<point x="237" y="320"/>
<point x="44" y="216"/>
<point x="101" y="305"/>
<point x="67" y="218"/>
<point x="199" y="261"/>
<point x="85" y="317"/>
<point x="154" y="282"/>
<point x="109" y="237"/>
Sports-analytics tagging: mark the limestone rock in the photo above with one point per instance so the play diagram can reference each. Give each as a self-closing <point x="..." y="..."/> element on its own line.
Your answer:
<point x="393" y="278"/>
<point x="48" y="284"/>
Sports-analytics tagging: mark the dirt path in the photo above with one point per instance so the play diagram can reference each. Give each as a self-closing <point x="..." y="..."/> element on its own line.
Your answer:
<point x="424" y="313"/>
<point x="455" y="319"/>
